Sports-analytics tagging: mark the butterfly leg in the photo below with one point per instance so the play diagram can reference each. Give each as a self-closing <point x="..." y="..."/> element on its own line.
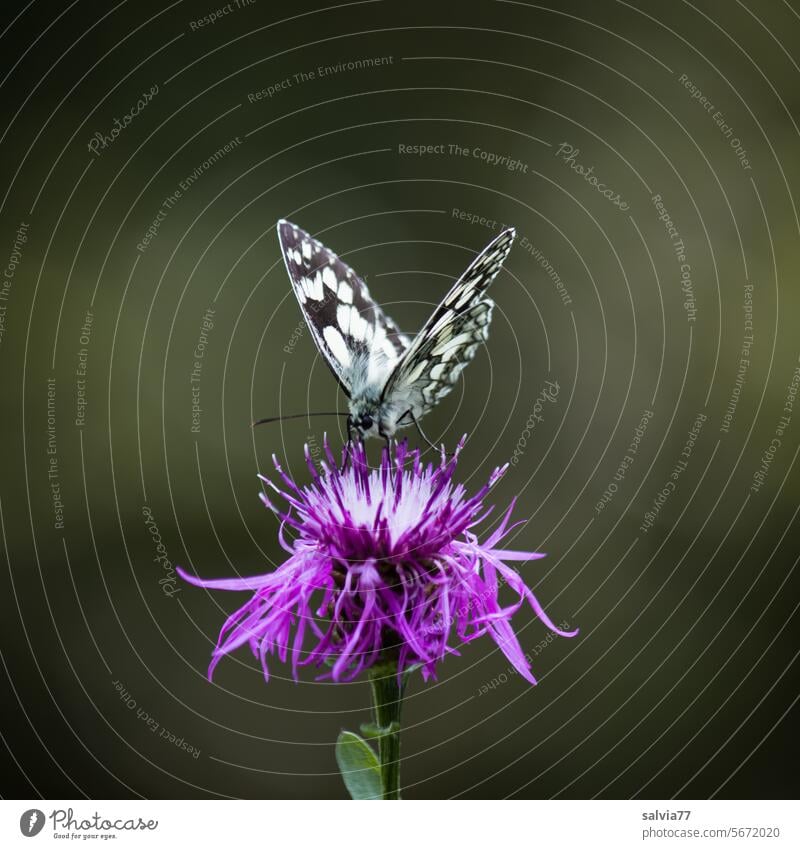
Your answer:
<point x="437" y="448"/>
<point x="387" y="447"/>
<point x="346" y="457"/>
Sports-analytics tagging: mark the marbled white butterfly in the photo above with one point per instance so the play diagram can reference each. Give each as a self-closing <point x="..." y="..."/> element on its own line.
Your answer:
<point x="390" y="380"/>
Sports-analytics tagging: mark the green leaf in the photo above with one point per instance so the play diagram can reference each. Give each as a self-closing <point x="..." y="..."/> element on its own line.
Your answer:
<point x="359" y="766"/>
<point x="375" y="731"/>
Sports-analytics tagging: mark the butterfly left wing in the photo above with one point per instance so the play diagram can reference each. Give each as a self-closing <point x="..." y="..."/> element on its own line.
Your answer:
<point x="450" y="338"/>
<point x="360" y="343"/>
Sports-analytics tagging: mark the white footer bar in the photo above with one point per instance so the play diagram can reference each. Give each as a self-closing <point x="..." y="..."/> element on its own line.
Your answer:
<point x="404" y="825"/>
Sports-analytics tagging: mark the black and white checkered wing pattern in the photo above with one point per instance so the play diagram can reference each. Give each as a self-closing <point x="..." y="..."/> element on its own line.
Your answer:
<point x="360" y="343"/>
<point x="450" y="338"/>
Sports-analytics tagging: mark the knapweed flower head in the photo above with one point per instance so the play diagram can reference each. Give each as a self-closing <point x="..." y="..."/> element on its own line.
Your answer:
<point x="384" y="564"/>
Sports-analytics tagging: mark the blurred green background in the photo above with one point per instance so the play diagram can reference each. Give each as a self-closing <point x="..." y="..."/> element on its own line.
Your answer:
<point x="160" y="237"/>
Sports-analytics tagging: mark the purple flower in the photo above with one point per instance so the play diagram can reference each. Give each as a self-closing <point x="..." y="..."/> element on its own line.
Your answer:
<point x="383" y="564"/>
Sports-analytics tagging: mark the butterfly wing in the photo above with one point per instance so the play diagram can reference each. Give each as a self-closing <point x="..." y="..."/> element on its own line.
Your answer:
<point x="360" y="343"/>
<point x="450" y="338"/>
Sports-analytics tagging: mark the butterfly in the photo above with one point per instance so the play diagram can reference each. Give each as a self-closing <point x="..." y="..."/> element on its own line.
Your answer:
<point x="390" y="380"/>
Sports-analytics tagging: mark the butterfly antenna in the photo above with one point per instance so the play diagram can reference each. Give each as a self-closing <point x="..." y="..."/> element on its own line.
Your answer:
<point x="295" y="416"/>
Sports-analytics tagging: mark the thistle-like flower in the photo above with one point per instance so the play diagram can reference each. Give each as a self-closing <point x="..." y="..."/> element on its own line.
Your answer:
<point x="383" y="564"/>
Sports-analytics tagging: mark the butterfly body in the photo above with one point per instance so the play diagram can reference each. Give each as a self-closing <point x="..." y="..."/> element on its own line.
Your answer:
<point x="390" y="380"/>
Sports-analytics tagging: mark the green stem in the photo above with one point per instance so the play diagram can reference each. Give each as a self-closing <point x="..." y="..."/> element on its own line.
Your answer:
<point x="387" y="695"/>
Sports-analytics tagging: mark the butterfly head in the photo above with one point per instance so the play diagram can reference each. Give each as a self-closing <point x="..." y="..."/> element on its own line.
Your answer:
<point x="365" y="417"/>
<point x="366" y="424"/>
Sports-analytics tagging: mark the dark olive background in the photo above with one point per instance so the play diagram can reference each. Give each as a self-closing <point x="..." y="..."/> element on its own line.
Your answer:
<point x="683" y="680"/>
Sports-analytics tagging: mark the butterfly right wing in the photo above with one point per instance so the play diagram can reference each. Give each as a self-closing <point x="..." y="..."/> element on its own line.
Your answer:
<point x="451" y="336"/>
<point x="360" y="343"/>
